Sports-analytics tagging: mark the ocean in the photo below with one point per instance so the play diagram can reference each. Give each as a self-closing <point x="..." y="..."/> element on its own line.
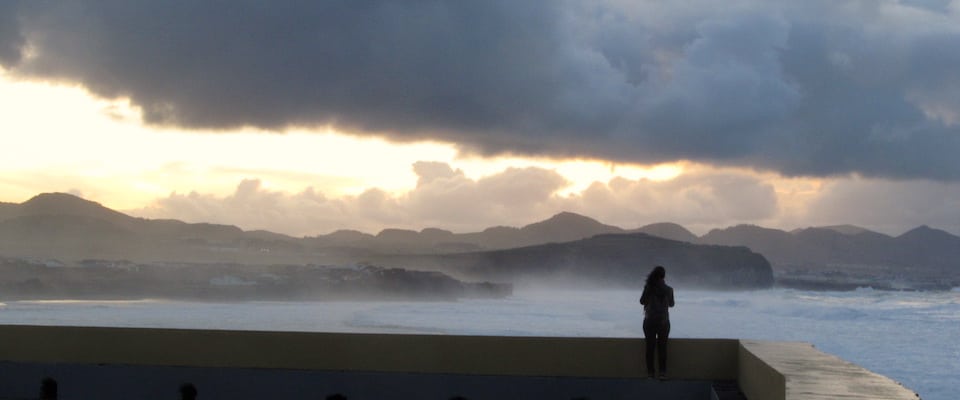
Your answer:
<point x="912" y="337"/>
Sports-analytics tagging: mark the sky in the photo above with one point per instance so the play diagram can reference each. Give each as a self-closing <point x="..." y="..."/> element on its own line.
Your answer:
<point x="304" y="117"/>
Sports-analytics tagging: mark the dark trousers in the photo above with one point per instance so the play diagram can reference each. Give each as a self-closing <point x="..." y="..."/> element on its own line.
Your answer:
<point x="656" y="333"/>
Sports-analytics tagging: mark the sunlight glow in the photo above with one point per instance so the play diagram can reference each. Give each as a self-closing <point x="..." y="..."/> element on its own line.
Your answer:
<point x="580" y="172"/>
<point x="66" y="140"/>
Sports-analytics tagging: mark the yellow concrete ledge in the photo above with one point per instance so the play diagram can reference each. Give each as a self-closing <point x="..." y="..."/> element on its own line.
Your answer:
<point x="798" y="371"/>
<point x="765" y="370"/>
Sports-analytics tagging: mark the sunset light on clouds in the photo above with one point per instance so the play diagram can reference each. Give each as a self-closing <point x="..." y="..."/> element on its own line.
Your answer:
<point x="305" y="119"/>
<point x="102" y="152"/>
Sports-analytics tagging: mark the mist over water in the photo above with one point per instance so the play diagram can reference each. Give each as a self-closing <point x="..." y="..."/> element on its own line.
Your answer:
<point x="909" y="336"/>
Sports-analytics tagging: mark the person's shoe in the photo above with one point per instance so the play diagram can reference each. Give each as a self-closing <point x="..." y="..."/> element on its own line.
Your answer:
<point x="651" y="376"/>
<point x="663" y="376"/>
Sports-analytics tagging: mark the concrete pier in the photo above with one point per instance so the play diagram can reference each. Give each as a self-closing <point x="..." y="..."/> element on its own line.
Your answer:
<point x="115" y="363"/>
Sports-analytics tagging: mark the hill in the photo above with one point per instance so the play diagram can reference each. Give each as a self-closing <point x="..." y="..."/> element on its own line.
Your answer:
<point x="622" y="260"/>
<point x="920" y="258"/>
<point x="607" y="260"/>
<point x="567" y="245"/>
<point x="64" y="227"/>
<point x="562" y="227"/>
<point x="668" y="230"/>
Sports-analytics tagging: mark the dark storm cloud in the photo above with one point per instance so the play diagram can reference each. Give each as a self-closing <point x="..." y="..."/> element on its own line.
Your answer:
<point x="803" y="88"/>
<point x="11" y="39"/>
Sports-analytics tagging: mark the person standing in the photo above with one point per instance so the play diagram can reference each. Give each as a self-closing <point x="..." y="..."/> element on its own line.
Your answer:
<point x="657" y="298"/>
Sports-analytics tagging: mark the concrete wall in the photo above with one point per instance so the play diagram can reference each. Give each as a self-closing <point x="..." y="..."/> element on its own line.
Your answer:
<point x="798" y="371"/>
<point x="705" y="359"/>
<point x="757" y="378"/>
<point x="125" y="382"/>
<point x="765" y="370"/>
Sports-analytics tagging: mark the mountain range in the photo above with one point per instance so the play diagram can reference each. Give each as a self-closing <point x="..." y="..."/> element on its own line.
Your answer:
<point x="57" y="225"/>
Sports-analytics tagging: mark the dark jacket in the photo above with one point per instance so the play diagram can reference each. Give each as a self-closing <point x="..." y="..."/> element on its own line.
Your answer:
<point x="657" y="300"/>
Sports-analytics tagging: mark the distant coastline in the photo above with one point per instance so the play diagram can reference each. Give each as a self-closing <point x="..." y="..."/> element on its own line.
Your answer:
<point x="124" y="280"/>
<point x="62" y="238"/>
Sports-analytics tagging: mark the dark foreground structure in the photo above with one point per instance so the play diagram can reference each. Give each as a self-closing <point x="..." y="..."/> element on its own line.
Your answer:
<point x="138" y="363"/>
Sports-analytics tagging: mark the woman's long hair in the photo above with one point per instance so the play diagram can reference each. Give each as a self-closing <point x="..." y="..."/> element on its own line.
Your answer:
<point x="656" y="276"/>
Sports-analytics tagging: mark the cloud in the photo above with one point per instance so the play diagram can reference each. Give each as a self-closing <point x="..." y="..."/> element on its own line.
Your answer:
<point x="697" y="200"/>
<point x="814" y="88"/>
<point x="11" y="38"/>
<point x="505" y="198"/>
<point x="446" y="198"/>
<point x="443" y="198"/>
<point x="252" y="206"/>
<point x="700" y="199"/>
<point x="890" y="207"/>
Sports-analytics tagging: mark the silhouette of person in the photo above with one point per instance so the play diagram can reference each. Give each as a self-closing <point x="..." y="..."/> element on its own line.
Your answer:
<point x="657" y="298"/>
<point x="48" y="389"/>
<point x="188" y="392"/>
